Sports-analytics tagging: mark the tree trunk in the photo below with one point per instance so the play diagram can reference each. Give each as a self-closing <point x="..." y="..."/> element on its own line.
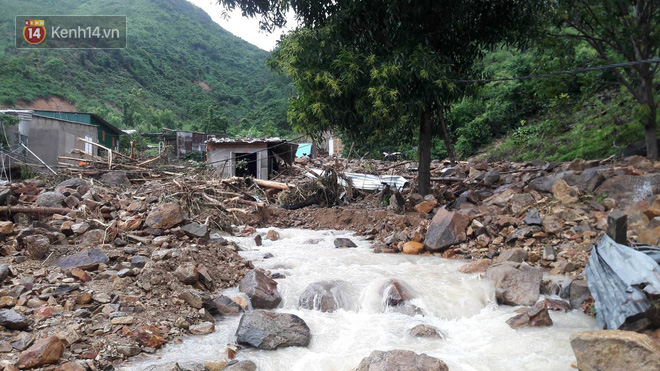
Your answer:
<point x="445" y="136"/>
<point x="650" y="122"/>
<point x="424" y="152"/>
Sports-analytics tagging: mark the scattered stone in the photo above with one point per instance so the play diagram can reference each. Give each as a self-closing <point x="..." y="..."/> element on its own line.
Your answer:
<point x="241" y="366"/>
<point x="115" y="178"/>
<point x="37" y="246"/>
<point x="564" y="193"/>
<point x="425" y="207"/>
<point x="187" y="273"/>
<point x="165" y="216"/>
<point x="202" y="328"/>
<point x="126" y="320"/>
<point x="6" y="227"/>
<point x="128" y="350"/>
<point x="492" y="177"/>
<point x="196" y="230"/>
<point x="257" y="240"/>
<point x="148" y="336"/>
<point x="218" y="365"/>
<point x="446" y="229"/>
<point x="80" y="186"/>
<point x="515" y="283"/>
<point x="532" y="317"/>
<point x="7" y="301"/>
<point x="45" y="351"/>
<point x="322" y="296"/>
<point x="549" y="253"/>
<point x="270" y="330"/>
<point x="615" y="350"/>
<point x="344" y="243"/>
<point x="413" y="248"/>
<point x="4" y="272"/>
<point x="86" y="259"/>
<point x="533" y="217"/>
<point x="80" y="275"/>
<point x="476" y="267"/>
<point x="425" y="331"/>
<point x="395" y="293"/>
<point x="50" y="199"/>
<point x="400" y="360"/>
<point x="261" y="290"/>
<point x="617" y="227"/>
<point x="79" y="228"/>
<point x="272" y="235"/>
<point x="578" y="293"/>
<point x="10" y="319"/>
<point x="226" y="306"/>
<point x="138" y="261"/>
<point x="517" y="255"/>
<point x="519" y="202"/>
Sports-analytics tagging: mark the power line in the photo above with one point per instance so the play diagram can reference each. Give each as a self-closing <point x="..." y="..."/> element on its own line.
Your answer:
<point x="559" y="73"/>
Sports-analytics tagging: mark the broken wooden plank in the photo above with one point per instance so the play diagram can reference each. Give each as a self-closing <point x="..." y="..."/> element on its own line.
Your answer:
<point x="271" y="184"/>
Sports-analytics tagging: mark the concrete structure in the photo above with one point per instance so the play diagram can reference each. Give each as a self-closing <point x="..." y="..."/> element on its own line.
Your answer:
<point x="182" y="142"/>
<point x="107" y="134"/>
<point x="48" y="137"/>
<point x="252" y="157"/>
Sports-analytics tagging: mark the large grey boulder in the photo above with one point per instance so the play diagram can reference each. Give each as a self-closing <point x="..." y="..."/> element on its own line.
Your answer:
<point x="77" y="185"/>
<point x="400" y="360"/>
<point x="446" y="229"/>
<point x="271" y="330"/>
<point x="615" y="350"/>
<point x="515" y="283"/>
<point x="50" y="199"/>
<point x="261" y="289"/>
<point x="324" y="296"/>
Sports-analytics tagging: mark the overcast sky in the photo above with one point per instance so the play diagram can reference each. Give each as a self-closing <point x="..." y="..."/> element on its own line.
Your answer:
<point x="245" y="28"/>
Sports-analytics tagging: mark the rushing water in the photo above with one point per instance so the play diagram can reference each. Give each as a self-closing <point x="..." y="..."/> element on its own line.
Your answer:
<point x="462" y="306"/>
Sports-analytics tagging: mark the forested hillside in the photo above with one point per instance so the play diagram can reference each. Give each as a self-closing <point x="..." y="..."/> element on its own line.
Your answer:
<point x="180" y="70"/>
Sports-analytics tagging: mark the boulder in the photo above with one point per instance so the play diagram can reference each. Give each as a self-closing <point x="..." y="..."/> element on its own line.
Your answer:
<point x="395" y="360"/>
<point x="261" y="290"/>
<point x="44" y="351"/>
<point x="565" y="193"/>
<point x="86" y="259"/>
<point x="187" y="273"/>
<point x="322" y="296"/>
<point x="476" y="266"/>
<point x="272" y="235"/>
<point x="519" y="202"/>
<point x="536" y="316"/>
<point x="629" y="189"/>
<point x="6" y="227"/>
<point x="615" y="350"/>
<point x="491" y="177"/>
<point x="545" y="183"/>
<point x="578" y="293"/>
<point x="394" y="293"/>
<point x="37" y="246"/>
<point x="196" y="230"/>
<point x="165" y="216"/>
<point x="425" y="331"/>
<point x="425" y="207"/>
<point x="344" y="243"/>
<point x="115" y="178"/>
<point x="93" y="237"/>
<point x="412" y="247"/>
<point x="270" y="330"/>
<point x="78" y="185"/>
<point x="515" y="283"/>
<point x="446" y="229"/>
<point x="202" y="328"/>
<point x="517" y="255"/>
<point x="226" y="306"/>
<point x="10" y="319"/>
<point x="50" y="199"/>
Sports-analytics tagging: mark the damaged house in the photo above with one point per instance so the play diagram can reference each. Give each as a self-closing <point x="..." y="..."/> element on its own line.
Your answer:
<point x="249" y="157"/>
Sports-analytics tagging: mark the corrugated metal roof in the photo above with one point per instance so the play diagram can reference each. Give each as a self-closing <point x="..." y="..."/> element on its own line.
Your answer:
<point x="244" y="140"/>
<point x="368" y="182"/>
<point x="619" y="278"/>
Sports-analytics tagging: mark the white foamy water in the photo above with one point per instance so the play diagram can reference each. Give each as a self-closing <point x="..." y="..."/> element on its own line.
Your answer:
<point x="462" y="306"/>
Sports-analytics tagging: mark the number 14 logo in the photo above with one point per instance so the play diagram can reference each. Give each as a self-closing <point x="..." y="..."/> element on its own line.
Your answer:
<point x="34" y="31"/>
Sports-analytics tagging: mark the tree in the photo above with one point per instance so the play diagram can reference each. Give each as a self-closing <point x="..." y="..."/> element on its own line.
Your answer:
<point x="364" y="66"/>
<point x="622" y="30"/>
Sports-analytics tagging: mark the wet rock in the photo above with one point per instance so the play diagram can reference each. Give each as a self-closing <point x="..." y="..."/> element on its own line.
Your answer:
<point x="270" y="330"/>
<point x="261" y="290"/>
<point x="4" y="272"/>
<point x="555" y="304"/>
<point x="400" y="360"/>
<point x="515" y="283"/>
<point x="272" y="235"/>
<point x="226" y="306"/>
<point x="536" y="316"/>
<point x="394" y="293"/>
<point x="413" y="248"/>
<point x="169" y="366"/>
<point x="86" y="259"/>
<point x="202" y="328"/>
<point x="115" y="178"/>
<point x="45" y="351"/>
<point x="578" y="293"/>
<point x="190" y="366"/>
<point x="564" y="193"/>
<point x="446" y="229"/>
<point x="425" y="331"/>
<point x="10" y="319"/>
<point x="37" y="246"/>
<point x="187" y="273"/>
<point x="517" y="255"/>
<point x="615" y="350"/>
<point x="344" y="243"/>
<point x="148" y="336"/>
<point x="128" y="350"/>
<point x="165" y="216"/>
<point x="50" y="199"/>
<point x="77" y="185"/>
<point x="322" y="296"/>
<point x="257" y="240"/>
<point x="196" y="230"/>
<point x="241" y="366"/>
<point x="476" y="267"/>
<point x="533" y="217"/>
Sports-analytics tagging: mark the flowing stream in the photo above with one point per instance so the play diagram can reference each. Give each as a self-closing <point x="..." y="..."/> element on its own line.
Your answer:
<point x="462" y="306"/>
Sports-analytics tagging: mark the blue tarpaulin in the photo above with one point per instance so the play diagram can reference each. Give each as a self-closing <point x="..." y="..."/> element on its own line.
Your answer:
<point x="304" y="149"/>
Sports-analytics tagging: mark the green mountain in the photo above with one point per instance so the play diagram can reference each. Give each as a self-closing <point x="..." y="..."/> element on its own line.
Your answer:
<point x="179" y="70"/>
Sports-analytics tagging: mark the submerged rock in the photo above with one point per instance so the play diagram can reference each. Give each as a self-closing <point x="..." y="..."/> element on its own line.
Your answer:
<point x="425" y="331"/>
<point x="241" y="366"/>
<point x="395" y="360"/>
<point x="271" y="330"/>
<point x="261" y="290"/>
<point x="344" y="243"/>
<point x="536" y="316"/>
<point x="322" y="296"/>
<point x="615" y="350"/>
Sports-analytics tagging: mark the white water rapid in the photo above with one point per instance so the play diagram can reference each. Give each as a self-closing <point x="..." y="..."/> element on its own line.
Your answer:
<point x="462" y="306"/>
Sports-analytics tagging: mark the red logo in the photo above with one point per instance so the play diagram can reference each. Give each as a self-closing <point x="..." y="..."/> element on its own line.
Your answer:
<point x="34" y="31"/>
